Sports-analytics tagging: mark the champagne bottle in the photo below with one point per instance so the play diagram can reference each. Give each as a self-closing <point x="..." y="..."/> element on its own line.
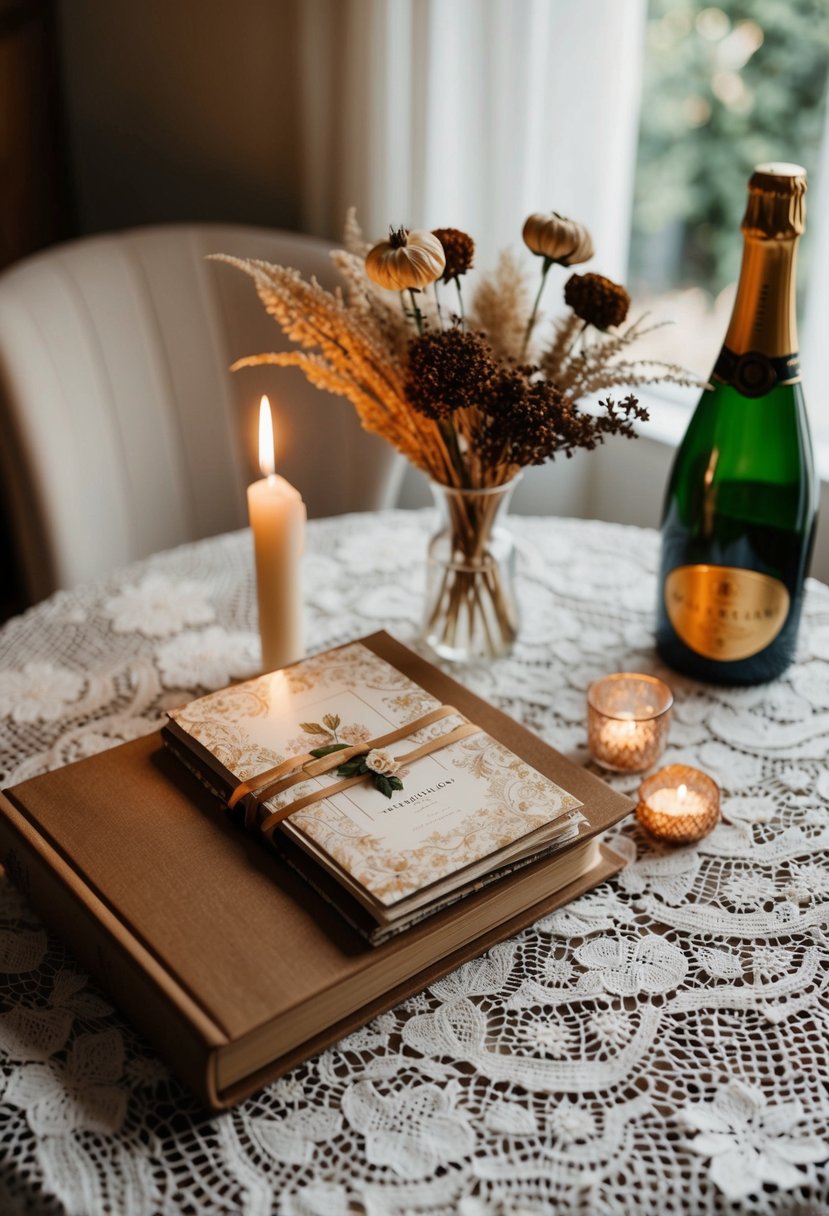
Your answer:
<point x="740" y="509"/>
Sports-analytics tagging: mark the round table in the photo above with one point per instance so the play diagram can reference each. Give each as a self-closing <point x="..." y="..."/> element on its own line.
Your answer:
<point x="658" y="1046"/>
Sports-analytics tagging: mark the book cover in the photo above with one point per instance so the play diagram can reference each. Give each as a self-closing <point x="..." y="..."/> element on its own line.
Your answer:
<point x="450" y="806"/>
<point x="231" y="965"/>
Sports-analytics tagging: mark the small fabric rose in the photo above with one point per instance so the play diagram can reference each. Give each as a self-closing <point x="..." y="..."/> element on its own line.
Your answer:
<point x="459" y="250"/>
<point x="597" y="300"/>
<point x="381" y="762"/>
<point x="377" y="764"/>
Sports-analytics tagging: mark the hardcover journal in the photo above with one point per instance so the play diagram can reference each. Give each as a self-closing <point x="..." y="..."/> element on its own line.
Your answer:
<point x="241" y="952"/>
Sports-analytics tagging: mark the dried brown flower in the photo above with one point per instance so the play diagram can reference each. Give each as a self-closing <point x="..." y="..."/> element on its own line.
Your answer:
<point x="524" y="420"/>
<point x="597" y="300"/>
<point x="531" y="420"/>
<point x="449" y="370"/>
<point x="459" y="249"/>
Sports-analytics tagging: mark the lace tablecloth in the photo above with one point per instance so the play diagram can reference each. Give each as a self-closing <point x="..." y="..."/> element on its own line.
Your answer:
<point x="660" y="1046"/>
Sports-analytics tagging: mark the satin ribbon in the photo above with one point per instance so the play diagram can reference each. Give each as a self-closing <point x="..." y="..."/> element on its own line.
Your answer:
<point x="273" y="820"/>
<point x="299" y="768"/>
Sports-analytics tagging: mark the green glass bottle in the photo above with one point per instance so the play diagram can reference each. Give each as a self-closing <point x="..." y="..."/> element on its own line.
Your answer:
<point x="741" y="504"/>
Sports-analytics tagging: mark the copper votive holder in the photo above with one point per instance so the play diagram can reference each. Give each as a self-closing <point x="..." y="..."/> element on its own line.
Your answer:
<point x="628" y="716"/>
<point x="679" y="804"/>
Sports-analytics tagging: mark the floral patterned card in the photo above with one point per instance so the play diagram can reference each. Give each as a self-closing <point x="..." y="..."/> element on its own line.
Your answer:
<point x="447" y="811"/>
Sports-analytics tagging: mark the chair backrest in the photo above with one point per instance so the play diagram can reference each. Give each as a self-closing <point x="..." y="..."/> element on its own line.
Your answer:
<point x="122" y="431"/>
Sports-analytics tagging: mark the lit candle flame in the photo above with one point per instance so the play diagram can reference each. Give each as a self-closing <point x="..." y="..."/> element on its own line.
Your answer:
<point x="681" y="792"/>
<point x="267" y="462"/>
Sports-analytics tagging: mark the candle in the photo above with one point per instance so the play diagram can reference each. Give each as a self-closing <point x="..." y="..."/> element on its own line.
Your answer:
<point x="679" y="804"/>
<point x="617" y="736"/>
<point x="681" y="801"/>
<point x="627" y="721"/>
<point x="277" y="519"/>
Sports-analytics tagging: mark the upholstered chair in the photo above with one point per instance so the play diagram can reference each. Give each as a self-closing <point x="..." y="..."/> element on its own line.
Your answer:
<point x="122" y="431"/>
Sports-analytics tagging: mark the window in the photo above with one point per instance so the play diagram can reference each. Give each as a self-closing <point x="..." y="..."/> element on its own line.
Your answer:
<point x="725" y="87"/>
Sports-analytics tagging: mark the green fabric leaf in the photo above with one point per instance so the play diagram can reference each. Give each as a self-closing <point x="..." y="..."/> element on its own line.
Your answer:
<point x="326" y="751"/>
<point x="351" y="767"/>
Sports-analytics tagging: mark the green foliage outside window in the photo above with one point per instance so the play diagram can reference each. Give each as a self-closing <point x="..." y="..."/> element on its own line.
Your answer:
<point x="725" y="88"/>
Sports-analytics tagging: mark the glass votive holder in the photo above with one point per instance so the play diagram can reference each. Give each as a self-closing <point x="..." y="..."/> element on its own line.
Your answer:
<point x="628" y="716"/>
<point x="679" y="804"/>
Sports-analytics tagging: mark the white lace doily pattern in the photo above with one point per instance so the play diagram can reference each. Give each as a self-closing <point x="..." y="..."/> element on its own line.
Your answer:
<point x="660" y="1046"/>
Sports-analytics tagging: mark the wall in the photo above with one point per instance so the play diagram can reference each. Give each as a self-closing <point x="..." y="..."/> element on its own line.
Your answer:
<point x="33" y="195"/>
<point x="164" y="113"/>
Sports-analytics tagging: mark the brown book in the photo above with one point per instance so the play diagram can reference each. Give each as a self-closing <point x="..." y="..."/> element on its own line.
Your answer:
<point x="222" y="955"/>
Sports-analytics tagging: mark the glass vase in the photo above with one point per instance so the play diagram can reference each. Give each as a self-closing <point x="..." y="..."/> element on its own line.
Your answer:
<point x="471" y="610"/>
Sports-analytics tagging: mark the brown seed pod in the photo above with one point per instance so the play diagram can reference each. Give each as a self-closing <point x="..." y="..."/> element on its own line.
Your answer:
<point x="459" y="250"/>
<point x="597" y="300"/>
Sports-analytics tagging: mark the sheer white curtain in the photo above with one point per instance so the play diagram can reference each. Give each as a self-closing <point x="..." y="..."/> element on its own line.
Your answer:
<point x="813" y="340"/>
<point x="472" y="113"/>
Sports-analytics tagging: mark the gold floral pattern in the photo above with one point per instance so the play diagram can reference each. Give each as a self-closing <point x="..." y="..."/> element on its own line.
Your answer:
<point x="513" y="800"/>
<point x="423" y="834"/>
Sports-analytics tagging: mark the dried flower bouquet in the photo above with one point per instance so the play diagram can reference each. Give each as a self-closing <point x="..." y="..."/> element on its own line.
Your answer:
<point x="470" y="395"/>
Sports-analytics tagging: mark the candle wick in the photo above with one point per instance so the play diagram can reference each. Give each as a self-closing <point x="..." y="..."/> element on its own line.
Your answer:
<point x="271" y="479"/>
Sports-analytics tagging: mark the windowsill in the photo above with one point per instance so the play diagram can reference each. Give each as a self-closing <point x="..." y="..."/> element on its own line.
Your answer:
<point x="670" y="412"/>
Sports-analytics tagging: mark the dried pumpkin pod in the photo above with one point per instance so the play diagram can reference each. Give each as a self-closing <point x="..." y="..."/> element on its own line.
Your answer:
<point x="406" y="261"/>
<point x="561" y="240"/>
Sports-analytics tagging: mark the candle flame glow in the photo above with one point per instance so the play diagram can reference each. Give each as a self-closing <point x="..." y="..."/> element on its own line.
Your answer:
<point x="267" y="462"/>
<point x="681" y="792"/>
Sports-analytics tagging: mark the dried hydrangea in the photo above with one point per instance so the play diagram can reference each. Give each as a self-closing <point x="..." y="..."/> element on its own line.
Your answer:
<point x="449" y="369"/>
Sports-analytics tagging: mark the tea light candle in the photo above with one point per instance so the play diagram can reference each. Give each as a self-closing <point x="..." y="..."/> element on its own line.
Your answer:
<point x="277" y="519"/>
<point x="679" y="804"/>
<point x="628" y="716"/>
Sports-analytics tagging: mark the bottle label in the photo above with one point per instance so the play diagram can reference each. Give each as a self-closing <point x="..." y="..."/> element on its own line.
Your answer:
<point x="723" y="612"/>
<point x="754" y="374"/>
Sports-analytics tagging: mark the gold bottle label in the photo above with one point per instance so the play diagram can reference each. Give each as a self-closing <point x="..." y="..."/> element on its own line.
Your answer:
<point x="723" y="612"/>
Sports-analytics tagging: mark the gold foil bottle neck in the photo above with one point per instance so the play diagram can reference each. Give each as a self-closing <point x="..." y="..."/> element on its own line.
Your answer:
<point x="776" y="207"/>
